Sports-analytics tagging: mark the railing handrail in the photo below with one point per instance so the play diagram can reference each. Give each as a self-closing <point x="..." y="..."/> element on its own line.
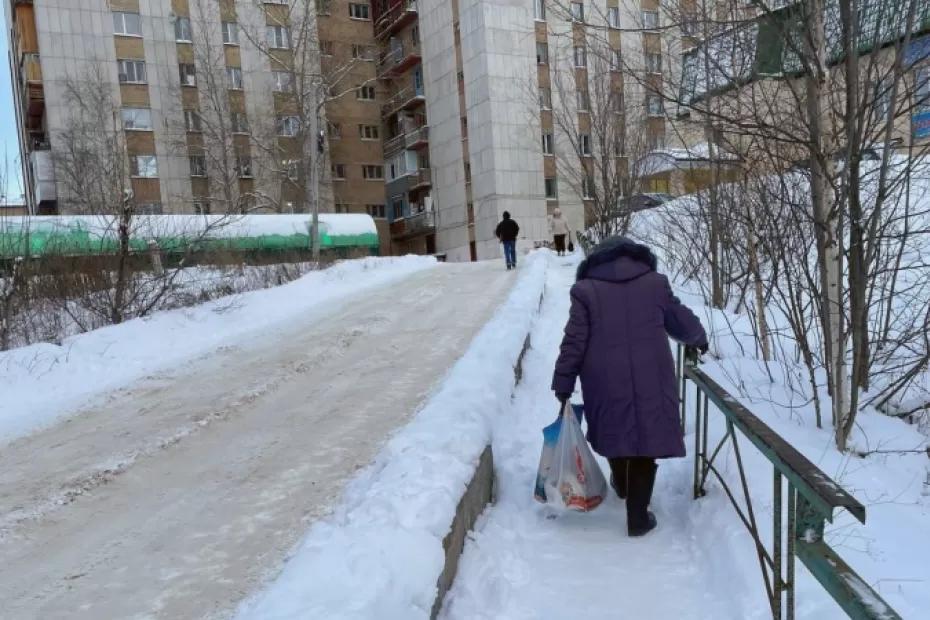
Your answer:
<point x="811" y="499"/>
<point x="809" y="479"/>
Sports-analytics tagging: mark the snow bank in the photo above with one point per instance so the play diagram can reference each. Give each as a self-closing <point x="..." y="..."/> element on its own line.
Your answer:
<point x="380" y="554"/>
<point x="43" y="383"/>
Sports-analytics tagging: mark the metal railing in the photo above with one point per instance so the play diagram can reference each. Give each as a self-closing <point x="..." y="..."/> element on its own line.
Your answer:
<point x="394" y="16"/>
<point x="810" y="502"/>
<point x="401" y="99"/>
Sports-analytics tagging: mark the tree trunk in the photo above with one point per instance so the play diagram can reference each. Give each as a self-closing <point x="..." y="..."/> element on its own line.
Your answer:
<point x="117" y="310"/>
<point x="313" y="192"/>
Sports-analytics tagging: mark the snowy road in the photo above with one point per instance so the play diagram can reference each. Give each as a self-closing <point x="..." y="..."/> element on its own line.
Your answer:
<point x="526" y="563"/>
<point x="177" y="497"/>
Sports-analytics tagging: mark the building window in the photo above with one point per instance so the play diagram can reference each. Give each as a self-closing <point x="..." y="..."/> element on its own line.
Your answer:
<point x="144" y="166"/>
<point x="327" y="48"/>
<point x="372" y="173"/>
<point x="659" y="186"/>
<point x="359" y="11"/>
<point x="192" y="120"/>
<point x="369" y="132"/>
<point x="654" y="105"/>
<point x="552" y="190"/>
<point x="653" y="62"/>
<point x="587" y="188"/>
<point x="657" y="141"/>
<point x="375" y="211"/>
<point x="234" y="78"/>
<point x="547" y="143"/>
<point x="244" y="166"/>
<point x="324" y="7"/>
<point x="188" y="74"/>
<point x="149" y="208"/>
<point x="230" y="33"/>
<point x="584" y="101"/>
<point x="182" y="29"/>
<point x="581" y="56"/>
<point x="585" y="144"/>
<point x="339" y="172"/>
<point x="283" y="81"/>
<point x="334" y="130"/>
<point x="131" y="71"/>
<point x="616" y="60"/>
<point x="127" y="24"/>
<point x="542" y="53"/>
<point x="340" y="207"/>
<point x="616" y="101"/>
<point x="578" y="11"/>
<point x="539" y="10"/>
<point x="238" y="122"/>
<point x="291" y="168"/>
<point x="288" y="126"/>
<point x="613" y="17"/>
<point x="545" y="97"/>
<point x="365" y="93"/>
<point x="198" y="164"/>
<point x="650" y="20"/>
<point x="362" y="52"/>
<point x="277" y="37"/>
<point x="137" y="119"/>
<point x="202" y="206"/>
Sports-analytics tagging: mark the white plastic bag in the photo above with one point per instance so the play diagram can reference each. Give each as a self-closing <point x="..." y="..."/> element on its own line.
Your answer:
<point x="572" y="478"/>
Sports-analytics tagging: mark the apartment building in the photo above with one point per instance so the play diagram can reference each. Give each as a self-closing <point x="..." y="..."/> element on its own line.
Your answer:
<point x="440" y="116"/>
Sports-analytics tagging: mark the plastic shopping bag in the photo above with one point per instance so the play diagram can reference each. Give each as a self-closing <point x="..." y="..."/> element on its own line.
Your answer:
<point x="568" y="475"/>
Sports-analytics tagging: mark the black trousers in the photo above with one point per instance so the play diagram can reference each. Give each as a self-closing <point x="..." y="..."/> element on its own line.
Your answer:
<point x="559" y="243"/>
<point x="633" y="479"/>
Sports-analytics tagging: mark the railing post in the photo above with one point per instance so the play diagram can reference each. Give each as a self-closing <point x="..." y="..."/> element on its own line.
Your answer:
<point x="789" y="572"/>
<point x="698" y="455"/>
<point x="776" y="544"/>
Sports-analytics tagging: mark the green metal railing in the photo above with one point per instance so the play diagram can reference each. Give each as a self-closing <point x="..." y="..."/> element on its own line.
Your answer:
<point x="812" y="497"/>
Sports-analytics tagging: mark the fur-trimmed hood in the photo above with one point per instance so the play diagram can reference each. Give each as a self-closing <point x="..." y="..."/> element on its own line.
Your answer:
<point x="618" y="259"/>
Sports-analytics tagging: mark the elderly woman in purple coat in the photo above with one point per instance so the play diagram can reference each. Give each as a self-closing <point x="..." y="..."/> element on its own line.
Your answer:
<point x="616" y="341"/>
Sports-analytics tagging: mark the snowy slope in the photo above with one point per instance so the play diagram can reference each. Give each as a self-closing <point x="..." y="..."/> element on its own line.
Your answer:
<point x="380" y="554"/>
<point x="43" y="383"/>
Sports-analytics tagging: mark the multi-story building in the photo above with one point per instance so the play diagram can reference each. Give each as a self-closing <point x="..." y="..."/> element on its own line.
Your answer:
<point x="440" y="119"/>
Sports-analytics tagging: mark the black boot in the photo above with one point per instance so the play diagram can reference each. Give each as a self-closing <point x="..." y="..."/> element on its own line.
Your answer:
<point x="618" y="476"/>
<point x="641" y="480"/>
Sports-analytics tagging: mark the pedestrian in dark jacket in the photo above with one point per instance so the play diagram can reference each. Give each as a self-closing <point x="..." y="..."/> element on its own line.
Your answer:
<point x="507" y="231"/>
<point x="616" y="341"/>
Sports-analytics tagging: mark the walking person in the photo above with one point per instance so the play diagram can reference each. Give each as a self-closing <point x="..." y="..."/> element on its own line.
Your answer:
<point x="558" y="228"/>
<point x="616" y="341"/>
<point x="507" y="231"/>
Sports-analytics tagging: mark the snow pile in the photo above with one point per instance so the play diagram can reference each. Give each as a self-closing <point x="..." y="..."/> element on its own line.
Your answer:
<point x="380" y="554"/>
<point x="43" y="382"/>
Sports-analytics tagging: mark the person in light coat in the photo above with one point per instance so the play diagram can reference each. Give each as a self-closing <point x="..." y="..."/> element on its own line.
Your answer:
<point x="558" y="228"/>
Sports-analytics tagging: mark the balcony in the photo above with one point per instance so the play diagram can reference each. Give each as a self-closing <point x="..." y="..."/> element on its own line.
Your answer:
<point x="421" y="223"/>
<point x="423" y="179"/>
<point x="31" y="68"/>
<point x="395" y="18"/>
<point x="398" y="60"/>
<point x="407" y="99"/>
<point x="43" y="172"/>
<point x="413" y="139"/>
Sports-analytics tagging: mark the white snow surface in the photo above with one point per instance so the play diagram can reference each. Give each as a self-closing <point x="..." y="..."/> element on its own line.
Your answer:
<point x="44" y="383"/>
<point x="380" y="554"/>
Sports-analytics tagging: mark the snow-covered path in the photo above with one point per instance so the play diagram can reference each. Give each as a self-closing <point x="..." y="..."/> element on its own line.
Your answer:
<point x="178" y="496"/>
<point x="524" y="562"/>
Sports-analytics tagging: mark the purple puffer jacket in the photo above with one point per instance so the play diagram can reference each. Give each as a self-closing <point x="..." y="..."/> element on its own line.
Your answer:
<point x="616" y="340"/>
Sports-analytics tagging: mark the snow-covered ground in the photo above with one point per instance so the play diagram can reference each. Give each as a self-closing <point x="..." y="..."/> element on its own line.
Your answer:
<point x="43" y="383"/>
<point x="525" y="562"/>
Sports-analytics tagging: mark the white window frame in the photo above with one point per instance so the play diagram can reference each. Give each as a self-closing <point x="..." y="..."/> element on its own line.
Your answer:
<point x="650" y="20"/>
<point x="539" y="10"/>
<point x="143" y="166"/>
<point x="234" y="78"/>
<point x="277" y="37"/>
<point x="363" y="51"/>
<point x="283" y="81"/>
<point x="239" y="122"/>
<point x="338" y="172"/>
<point x="287" y="126"/>
<point x="581" y="56"/>
<point x="654" y="105"/>
<point x="545" y="97"/>
<point x="583" y="100"/>
<point x="613" y="17"/>
<point x="131" y="116"/>
<point x="653" y="62"/>
<point x="577" y="11"/>
<point x="365" y="89"/>
<point x="360" y="11"/>
<point x="244" y="167"/>
<point x="183" y="31"/>
<point x="554" y="195"/>
<point x="548" y="146"/>
<point x="542" y="53"/>
<point x="137" y="66"/>
<point x="187" y="78"/>
<point x="368" y="133"/>
<point x="585" y="144"/>
<point x="291" y="168"/>
<point x="376" y="211"/>
<point x="192" y="121"/>
<point x="230" y="33"/>
<point x="121" y="24"/>
<point x="373" y="172"/>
